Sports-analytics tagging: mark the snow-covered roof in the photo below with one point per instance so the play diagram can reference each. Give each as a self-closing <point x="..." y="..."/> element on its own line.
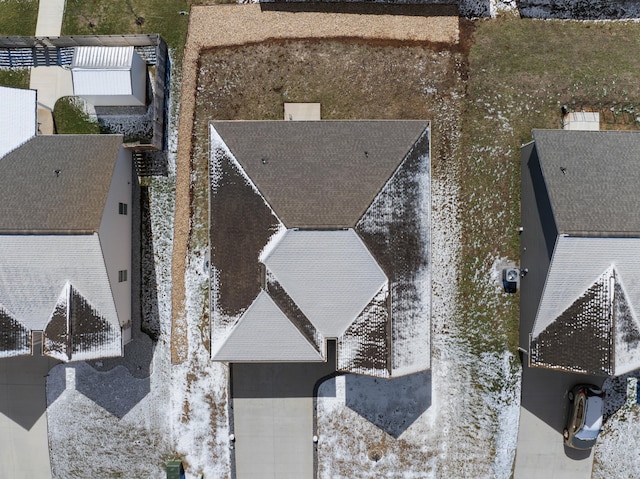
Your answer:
<point x="35" y="270"/>
<point x="264" y="333"/>
<point x="358" y="269"/>
<point x="587" y="318"/>
<point x="18" y="118"/>
<point x="330" y="275"/>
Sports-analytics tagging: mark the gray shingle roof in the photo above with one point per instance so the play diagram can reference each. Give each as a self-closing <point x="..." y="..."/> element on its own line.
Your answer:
<point x="320" y="174"/>
<point x="34" y="199"/>
<point x="592" y="179"/>
<point x="587" y="317"/>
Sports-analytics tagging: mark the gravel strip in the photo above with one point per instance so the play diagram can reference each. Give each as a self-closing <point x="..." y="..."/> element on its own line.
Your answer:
<point x="227" y="25"/>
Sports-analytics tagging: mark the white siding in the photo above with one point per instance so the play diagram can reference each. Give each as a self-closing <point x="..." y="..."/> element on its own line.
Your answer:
<point x="264" y="333"/>
<point x="577" y="263"/>
<point x="330" y="275"/>
<point x="18" y="120"/>
<point x="34" y="270"/>
<point x="115" y="236"/>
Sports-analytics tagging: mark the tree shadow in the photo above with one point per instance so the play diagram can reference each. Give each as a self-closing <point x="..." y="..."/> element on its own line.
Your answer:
<point x="391" y="404"/>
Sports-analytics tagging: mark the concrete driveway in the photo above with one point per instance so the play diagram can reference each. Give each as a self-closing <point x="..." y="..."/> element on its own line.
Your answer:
<point x="543" y="414"/>
<point x="273" y="418"/>
<point x="24" y="442"/>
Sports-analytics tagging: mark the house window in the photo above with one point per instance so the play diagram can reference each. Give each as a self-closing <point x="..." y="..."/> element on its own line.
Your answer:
<point x="122" y="275"/>
<point x="122" y="208"/>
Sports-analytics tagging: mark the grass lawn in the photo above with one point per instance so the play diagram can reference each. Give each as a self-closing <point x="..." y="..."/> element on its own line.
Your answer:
<point x="15" y="77"/>
<point x="520" y="74"/>
<point x="18" y="17"/>
<point x="88" y="17"/>
<point x="70" y="119"/>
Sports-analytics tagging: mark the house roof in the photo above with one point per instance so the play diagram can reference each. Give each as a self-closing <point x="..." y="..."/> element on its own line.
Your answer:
<point x="36" y="269"/>
<point x="288" y="232"/>
<point x="264" y="333"/>
<point x="587" y="319"/>
<point x="592" y="180"/>
<point x="18" y="120"/>
<point x="36" y="199"/>
<point x="330" y="275"/>
<point x="320" y="174"/>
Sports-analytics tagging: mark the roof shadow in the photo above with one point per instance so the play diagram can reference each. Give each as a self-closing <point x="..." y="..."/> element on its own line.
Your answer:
<point x="22" y="388"/>
<point x="391" y="404"/>
<point x="358" y="8"/>
<point x="280" y="380"/>
<point x="116" y="391"/>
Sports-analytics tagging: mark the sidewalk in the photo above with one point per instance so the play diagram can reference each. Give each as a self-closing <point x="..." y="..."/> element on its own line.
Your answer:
<point x="50" y="82"/>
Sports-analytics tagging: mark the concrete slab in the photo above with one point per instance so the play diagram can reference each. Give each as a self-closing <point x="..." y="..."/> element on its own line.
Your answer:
<point x="24" y="442"/>
<point x="582" y="120"/>
<point x="540" y="450"/>
<point x="541" y="453"/>
<point x="302" y="111"/>
<point x="51" y="83"/>
<point x="49" y="22"/>
<point x="273" y="417"/>
<point x="274" y="437"/>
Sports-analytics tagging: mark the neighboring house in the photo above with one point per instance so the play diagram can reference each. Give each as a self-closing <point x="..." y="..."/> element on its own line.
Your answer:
<point x="580" y="249"/>
<point x="109" y="76"/>
<point x="18" y="117"/>
<point x="320" y="230"/>
<point x="65" y="247"/>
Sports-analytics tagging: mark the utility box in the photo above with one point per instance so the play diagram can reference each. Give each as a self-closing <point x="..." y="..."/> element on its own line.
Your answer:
<point x="510" y="279"/>
<point x="175" y="470"/>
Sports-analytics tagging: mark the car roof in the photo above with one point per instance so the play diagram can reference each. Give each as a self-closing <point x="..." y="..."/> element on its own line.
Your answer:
<point x="593" y="418"/>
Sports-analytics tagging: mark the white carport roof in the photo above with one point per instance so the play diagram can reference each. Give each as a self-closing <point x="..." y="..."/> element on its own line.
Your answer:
<point x="18" y="120"/>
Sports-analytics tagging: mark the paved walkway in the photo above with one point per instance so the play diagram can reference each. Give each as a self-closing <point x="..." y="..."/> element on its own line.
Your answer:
<point x="24" y="442"/>
<point x="50" y="82"/>
<point x="543" y="414"/>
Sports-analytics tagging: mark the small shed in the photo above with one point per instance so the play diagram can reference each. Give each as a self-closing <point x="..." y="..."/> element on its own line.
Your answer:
<point x="109" y="76"/>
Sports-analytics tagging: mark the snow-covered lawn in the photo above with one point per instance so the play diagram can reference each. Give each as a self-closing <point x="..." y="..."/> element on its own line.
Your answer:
<point x="136" y="421"/>
<point x="460" y="419"/>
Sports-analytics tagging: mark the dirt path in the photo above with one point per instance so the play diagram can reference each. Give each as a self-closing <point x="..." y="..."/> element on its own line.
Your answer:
<point x="227" y="25"/>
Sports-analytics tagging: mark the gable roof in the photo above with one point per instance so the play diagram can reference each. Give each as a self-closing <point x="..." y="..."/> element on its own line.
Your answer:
<point x="587" y="319"/>
<point x="320" y="174"/>
<point x="592" y="180"/>
<point x="264" y="333"/>
<point x="35" y="199"/>
<point x="34" y="269"/>
<point x="18" y="121"/>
